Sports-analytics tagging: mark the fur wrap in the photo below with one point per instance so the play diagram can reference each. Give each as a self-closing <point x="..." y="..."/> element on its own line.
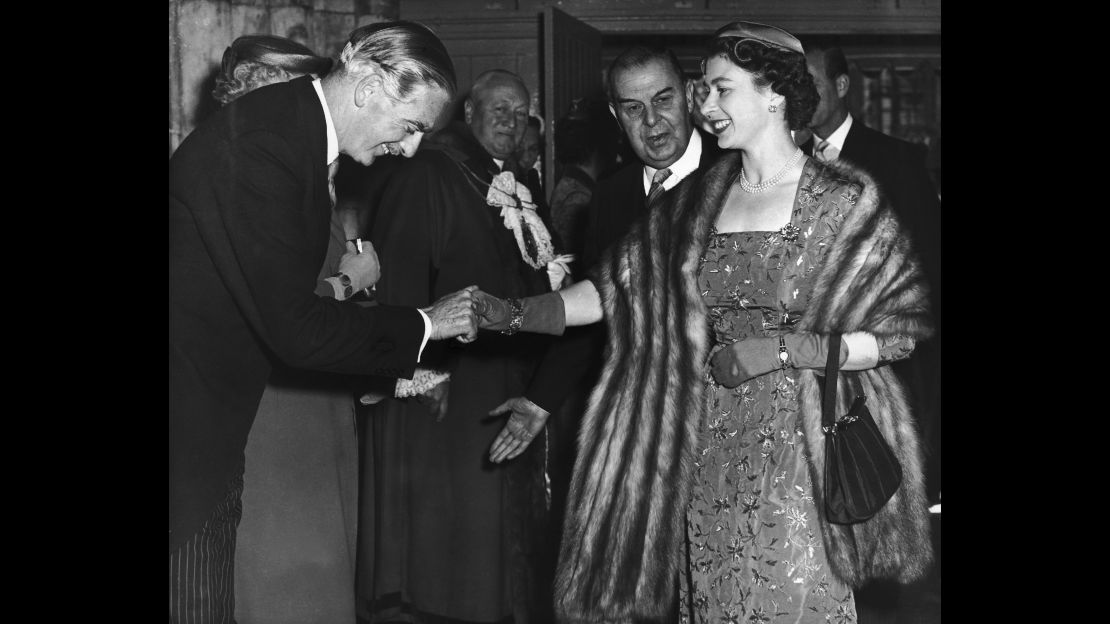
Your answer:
<point x="625" y="519"/>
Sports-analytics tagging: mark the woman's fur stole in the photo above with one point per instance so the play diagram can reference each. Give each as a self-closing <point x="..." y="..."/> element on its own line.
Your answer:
<point x="625" y="518"/>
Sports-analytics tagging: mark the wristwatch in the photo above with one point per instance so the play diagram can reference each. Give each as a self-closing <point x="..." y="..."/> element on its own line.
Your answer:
<point x="345" y="282"/>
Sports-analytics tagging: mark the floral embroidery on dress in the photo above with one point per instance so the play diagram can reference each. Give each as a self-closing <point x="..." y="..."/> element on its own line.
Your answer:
<point x="754" y="543"/>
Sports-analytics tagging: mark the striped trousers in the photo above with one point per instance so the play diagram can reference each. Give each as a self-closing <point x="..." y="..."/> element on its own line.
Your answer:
<point x="202" y="570"/>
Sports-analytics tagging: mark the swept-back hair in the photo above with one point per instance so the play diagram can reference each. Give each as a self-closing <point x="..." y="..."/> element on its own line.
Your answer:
<point x="408" y="54"/>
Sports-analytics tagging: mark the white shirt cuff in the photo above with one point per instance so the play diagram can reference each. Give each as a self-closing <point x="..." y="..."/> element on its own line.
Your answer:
<point x="863" y="351"/>
<point x="428" y="334"/>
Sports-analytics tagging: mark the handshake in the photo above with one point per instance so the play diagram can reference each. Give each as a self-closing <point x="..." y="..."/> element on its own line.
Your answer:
<point x="461" y="314"/>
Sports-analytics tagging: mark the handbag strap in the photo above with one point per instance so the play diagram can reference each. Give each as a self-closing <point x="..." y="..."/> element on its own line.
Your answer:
<point x="832" y="368"/>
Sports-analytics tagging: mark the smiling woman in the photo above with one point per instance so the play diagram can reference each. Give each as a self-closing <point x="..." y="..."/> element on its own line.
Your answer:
<point x="701" y="453"/>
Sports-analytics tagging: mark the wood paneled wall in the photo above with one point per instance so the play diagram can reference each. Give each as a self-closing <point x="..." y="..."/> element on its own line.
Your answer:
<point x="483" y="34"/>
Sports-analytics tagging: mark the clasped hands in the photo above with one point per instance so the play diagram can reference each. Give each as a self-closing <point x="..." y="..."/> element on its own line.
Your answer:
<point x="454" y="316"/>
<point x="461" y="314"/>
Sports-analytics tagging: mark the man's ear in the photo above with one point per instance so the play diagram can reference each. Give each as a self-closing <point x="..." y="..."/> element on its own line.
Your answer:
<point x="690" y="96"/>
<point x="842" y="84"/>
<point x="468" y="111"/>
<point x="367" y="87"/>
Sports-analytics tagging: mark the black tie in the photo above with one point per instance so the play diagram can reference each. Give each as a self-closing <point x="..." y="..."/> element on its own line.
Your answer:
<point x="657" y="185"/>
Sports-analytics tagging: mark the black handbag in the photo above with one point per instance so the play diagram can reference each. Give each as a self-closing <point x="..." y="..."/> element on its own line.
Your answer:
<point x="861" y="472"/>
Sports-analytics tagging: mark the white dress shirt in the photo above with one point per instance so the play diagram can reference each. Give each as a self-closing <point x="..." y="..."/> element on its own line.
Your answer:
<point x="684" y="166"/>
<point x="836" y="139"/>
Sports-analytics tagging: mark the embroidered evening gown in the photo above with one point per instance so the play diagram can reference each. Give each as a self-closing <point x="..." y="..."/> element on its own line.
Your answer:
<point x="753" y="550"/>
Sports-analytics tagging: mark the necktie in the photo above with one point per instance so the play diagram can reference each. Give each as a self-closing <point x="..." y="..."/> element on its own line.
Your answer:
<point x="657" y="185"/>
<point x="332" y="168"/>
<point x="819" y="146"/>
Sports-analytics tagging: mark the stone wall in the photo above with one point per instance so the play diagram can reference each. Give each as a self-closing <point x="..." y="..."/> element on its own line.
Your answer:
<point x="200" y="30"/>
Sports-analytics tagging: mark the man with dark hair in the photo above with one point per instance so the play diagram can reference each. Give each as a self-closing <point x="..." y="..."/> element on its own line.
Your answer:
<point x="652" y="104"/>
<point x="250" y="211"/>
<point x="445" y="533"/>
<point x="899" y="168"/>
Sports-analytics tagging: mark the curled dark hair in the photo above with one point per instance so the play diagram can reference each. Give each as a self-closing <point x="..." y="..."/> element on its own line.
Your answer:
<point x="252" y="61"/>
<point x="784" y="71"/>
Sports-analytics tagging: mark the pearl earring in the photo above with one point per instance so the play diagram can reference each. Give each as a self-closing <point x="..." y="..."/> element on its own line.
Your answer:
<point x="772" y="108"/>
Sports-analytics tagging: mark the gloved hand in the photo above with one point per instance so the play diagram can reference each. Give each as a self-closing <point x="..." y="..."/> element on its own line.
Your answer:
<point x="525" y="423"/>
<point x="746" y="359"/>
<point x="542" y="314"/>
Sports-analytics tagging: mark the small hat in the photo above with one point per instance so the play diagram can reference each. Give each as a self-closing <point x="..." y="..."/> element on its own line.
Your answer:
<point x="768" y="35"/>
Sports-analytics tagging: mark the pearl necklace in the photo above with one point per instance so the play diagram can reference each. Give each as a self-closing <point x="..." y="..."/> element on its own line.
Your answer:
<point x="773" y="180"/>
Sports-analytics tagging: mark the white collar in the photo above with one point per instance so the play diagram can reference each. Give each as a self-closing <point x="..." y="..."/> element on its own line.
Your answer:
<point x="333" y="138"/>
<point x="684" y="166"/>
<point x="836" y="139"/>
<point x="500" y="163"/>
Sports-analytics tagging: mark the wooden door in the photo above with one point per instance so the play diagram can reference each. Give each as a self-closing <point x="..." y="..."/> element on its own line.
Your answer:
<point x="571" y="69"/>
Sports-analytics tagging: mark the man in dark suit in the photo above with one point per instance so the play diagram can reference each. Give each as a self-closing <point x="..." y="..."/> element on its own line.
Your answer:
<point x="899" y="169"/>
<point x="249" y="226"/>
<point x="653" y="106"/>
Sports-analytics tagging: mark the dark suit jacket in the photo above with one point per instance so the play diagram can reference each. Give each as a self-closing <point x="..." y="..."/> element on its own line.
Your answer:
<point x="249" y="227"/>
<point x="618" y="203"/>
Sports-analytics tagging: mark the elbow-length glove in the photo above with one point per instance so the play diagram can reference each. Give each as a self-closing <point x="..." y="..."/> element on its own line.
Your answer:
<point x="542" y="314"/>
<point x="746" y="359"/>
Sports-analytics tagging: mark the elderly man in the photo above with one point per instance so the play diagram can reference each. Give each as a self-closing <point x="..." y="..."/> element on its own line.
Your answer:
<point x="450" y="527"/>
<point x="249" y="226"/>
